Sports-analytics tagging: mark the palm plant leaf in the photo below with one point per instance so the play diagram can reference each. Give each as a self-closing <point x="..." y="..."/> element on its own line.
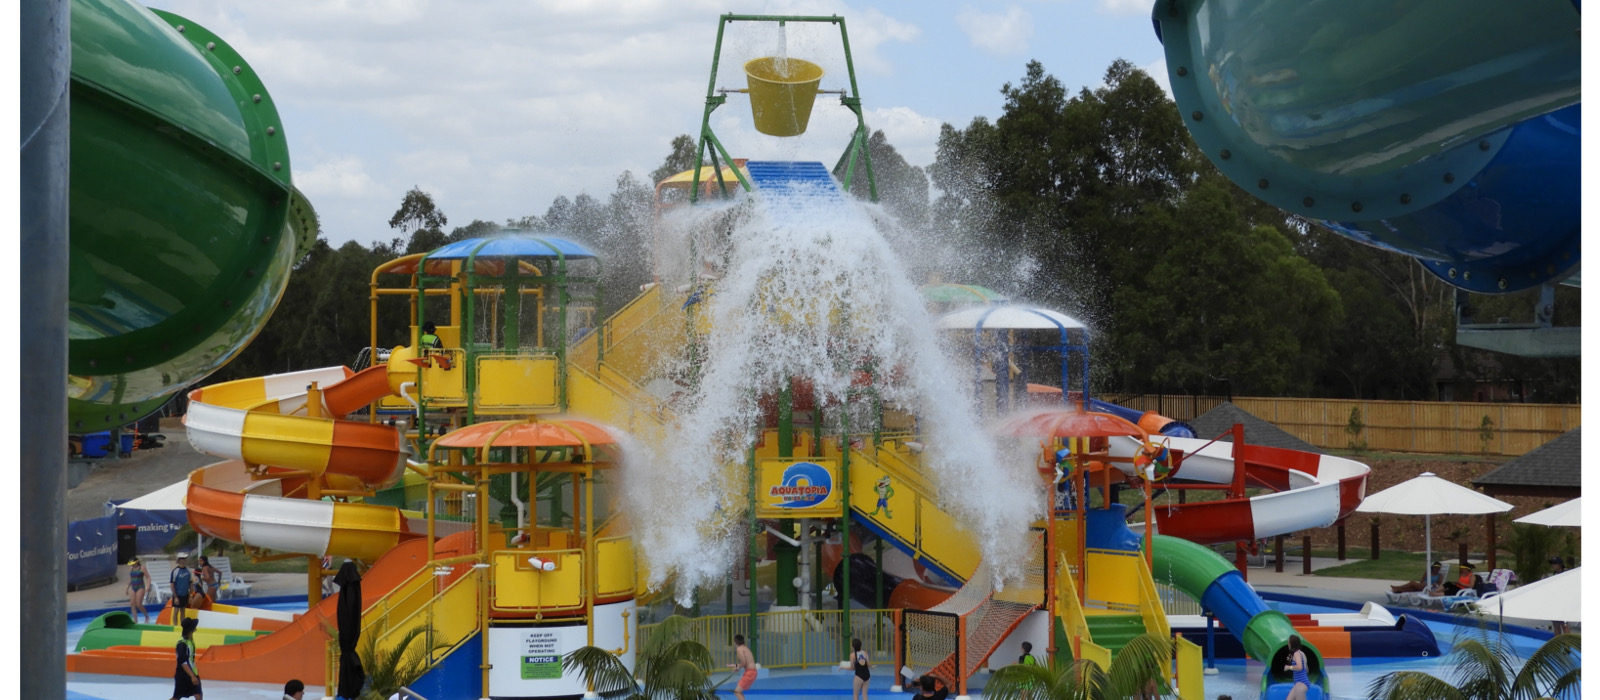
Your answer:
<point x="1412" y="685"/>
<point x="397" y="664"/>
<point x="1083" y="680"/>
<point x="599" y="669"/>
<point x="1554" y="666"/>
<point x="1139" y="662"/>
<point x="1021" y="682"/>
<point x="1481" y="669"/>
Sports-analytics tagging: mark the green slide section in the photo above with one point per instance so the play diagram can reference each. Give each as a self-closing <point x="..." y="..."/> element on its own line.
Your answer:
<point x="184" y="222"/>
<point x="1207" y="577"/>
<point x="1114" y="631"/>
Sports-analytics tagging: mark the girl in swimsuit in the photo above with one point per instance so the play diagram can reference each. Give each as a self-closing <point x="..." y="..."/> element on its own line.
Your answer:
<point x="863" y="669"/>
<point x="1297" y="666"/>
<point x="136" y="584"/>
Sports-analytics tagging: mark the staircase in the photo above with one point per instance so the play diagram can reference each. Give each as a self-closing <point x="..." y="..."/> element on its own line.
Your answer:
<point x="1114" y="630"/>
<point x="980" y="618"/>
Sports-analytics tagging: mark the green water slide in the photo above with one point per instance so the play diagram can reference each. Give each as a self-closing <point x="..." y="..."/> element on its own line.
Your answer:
<point x="1207" y="577"/>
<point x="184" y="221"/>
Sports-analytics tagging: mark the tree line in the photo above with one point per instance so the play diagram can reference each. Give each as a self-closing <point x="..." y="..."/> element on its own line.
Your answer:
<point x="1095" y="203"/>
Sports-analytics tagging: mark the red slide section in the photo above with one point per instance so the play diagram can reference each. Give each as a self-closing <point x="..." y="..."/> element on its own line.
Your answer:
<point x="296" y="651"/>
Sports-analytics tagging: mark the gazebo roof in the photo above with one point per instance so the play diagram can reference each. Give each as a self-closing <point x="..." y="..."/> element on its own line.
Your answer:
<point x="1551" y="469"/>
<point x="1256" y="431"/>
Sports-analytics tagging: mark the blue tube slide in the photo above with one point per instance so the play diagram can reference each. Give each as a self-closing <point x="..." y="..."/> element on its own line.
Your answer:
<point x="1446" y="130"/>
<point x="1264" y="632"/>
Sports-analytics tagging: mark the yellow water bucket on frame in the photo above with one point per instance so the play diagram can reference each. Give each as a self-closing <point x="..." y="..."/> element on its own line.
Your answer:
<point x="781" y="94"/>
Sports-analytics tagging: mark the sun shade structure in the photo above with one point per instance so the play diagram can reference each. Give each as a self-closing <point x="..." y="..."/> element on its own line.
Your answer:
<point x="527" y="433"/>
<point x="1072" y="337"/>
<point x="1569" y="514"/>
<point x="1070" y="423"/>
<point x="1009" y="317"/>
<point x="1427" y="496"/>
<point x="1558" y="598"/>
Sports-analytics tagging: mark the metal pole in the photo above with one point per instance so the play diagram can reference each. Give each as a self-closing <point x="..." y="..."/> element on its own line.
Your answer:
<point x="844" y="522"/>
<point x="751" y="551"/>
<point x="44" y="115"/>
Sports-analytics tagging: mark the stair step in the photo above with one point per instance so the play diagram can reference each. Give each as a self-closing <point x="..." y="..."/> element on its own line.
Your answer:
<point x="1113" y="631"/>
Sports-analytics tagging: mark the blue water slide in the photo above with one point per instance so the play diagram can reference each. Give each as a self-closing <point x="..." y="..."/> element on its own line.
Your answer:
<point x="1264" y="632"/>
<point x="1446" y="130"/>
<point x="1175" y="428"/>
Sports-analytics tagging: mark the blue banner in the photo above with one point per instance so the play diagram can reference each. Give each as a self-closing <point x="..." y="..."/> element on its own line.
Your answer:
<point x="91" y="551"/>
<point x="156" y="527"/>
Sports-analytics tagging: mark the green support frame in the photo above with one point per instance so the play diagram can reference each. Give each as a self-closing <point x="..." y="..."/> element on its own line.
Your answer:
<point x="711" y="147"/>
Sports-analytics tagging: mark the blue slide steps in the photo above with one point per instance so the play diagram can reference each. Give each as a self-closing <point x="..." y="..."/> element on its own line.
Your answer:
<point x="779" y="180"/>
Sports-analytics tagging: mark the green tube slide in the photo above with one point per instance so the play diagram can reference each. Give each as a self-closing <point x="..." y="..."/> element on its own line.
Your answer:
<point x="184" y="222"/>
<point x="1212" y="580"/>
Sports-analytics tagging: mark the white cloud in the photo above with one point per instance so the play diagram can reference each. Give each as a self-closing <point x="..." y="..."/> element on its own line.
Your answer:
<point x="915" y="136"/>
<point x="1158" y="72"/>
<point x="340" y="176"/>
<point x="1004" y="33"/>
<point x="1126" y="6"/>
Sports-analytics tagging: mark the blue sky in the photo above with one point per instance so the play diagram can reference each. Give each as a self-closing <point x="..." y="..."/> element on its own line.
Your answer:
<point x="497" y="107"/>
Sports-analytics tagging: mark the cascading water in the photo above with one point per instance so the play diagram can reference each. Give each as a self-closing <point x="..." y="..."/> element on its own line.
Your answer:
<point x="811" y="289"/>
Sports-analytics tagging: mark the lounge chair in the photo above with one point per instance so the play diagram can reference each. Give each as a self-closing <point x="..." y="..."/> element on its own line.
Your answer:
<point x="1499" y="580"/>
<point x="159" y="573"/>
<point x="232" y="585"/>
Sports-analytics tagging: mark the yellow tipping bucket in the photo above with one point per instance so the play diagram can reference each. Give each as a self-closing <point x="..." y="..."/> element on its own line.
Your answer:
<point x="781" y="102"/>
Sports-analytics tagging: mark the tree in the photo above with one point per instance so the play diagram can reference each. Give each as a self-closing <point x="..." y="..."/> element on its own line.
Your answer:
<point x="1133" y="669"/>
<point x="902" y="187"/>
<point x="669" y="666"/>
<point x="679" y="159"/>
<point x="418" y="216"/>
<point x="1483" y="669"/>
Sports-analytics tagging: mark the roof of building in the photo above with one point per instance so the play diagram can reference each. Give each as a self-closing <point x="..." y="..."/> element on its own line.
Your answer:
<point x="1555" y="464"/>
<point x="1256" y="431"/>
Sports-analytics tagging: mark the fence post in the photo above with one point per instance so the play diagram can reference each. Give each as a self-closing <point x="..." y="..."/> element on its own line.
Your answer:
<point x="1341" y="540"/>
<point x="1305" y="552"/>
<point x="961" y="654"/>
<point x="899" y="651"/>
<point x="1277" y="553"/>
<point x="1374" y="523"/>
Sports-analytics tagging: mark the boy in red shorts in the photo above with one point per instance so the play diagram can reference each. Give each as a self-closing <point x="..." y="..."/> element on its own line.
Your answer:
<point x="746" y="661"/>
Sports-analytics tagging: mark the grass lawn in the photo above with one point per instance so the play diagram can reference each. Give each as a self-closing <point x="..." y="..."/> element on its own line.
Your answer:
<point x="1399" y="566"/>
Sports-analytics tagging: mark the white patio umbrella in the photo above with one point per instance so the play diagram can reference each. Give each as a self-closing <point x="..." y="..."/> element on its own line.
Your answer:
<point x="1569" y="514"/>
<point x="1557" y="598"/>
<point x="1427" y="496"/>
<point x="1008" y="317"/>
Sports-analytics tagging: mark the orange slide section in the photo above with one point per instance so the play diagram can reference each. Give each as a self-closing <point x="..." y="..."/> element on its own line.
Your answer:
<point x="297" y="651"/>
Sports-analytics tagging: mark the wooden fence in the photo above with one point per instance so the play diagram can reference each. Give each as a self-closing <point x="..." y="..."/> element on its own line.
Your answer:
<point x="1428" y="427"/>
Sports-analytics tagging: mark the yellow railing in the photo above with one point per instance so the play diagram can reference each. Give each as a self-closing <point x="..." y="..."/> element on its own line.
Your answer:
<point x="1155" y="618"/>
<point x="918" y="520"/>
<point x="1100" y="655"/>
<point x="1150" y="612"/>
<point x="447" y="617"/>
<point x="1191" y="670"/>
<point x="1069" y="610"/>
<point x="793" y="638"/>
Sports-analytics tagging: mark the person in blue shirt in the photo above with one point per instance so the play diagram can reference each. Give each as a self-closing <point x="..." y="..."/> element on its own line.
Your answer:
<point x="182" y="582"/>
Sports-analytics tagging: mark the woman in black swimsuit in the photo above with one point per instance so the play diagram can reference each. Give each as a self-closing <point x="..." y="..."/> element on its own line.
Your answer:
<point x="858" y="660"/>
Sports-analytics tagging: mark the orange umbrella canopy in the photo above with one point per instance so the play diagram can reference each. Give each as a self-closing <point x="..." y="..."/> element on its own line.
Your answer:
<point x="1070" y="422"/>
<point x="527" y="433"/>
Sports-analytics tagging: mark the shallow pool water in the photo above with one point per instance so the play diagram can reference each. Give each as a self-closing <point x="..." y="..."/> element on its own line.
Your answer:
<point x="1347" y="679"/>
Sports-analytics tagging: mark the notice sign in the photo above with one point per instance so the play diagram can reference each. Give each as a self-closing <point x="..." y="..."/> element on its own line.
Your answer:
<point x="798" y="489"/>
<point x="541" y="659"/>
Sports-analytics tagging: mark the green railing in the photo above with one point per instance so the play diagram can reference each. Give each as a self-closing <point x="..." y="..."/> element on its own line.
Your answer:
<point x="793" y="638"/>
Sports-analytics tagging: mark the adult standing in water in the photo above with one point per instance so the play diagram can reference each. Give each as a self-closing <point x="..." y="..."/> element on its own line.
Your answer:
<point x="1297" y="666"/>
<point x="863" y="668"/>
